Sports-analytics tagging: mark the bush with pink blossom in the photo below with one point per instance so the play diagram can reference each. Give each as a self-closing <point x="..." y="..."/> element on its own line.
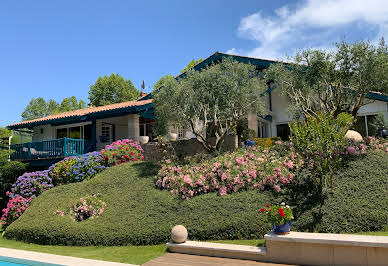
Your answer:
<point x="122" y="151"/>
<point x="15" y="208"/>
<point x="231" y="172"/>
<point x="85" y="208"/>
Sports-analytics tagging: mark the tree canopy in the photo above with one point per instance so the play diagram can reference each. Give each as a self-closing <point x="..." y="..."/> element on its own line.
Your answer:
<point x="214" y="98"/>
<point x="191" y="64"/>
<point x="317" y="81"/>
<point x="112" y="89"/>
<point x="4" y="151"/>
<point x="162" y="81"/>
<point x="38" y="107"/>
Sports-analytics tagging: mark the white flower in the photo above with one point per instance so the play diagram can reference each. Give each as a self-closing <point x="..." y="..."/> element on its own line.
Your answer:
<point x="287" y="206"/>
<point x="282" y="204"/>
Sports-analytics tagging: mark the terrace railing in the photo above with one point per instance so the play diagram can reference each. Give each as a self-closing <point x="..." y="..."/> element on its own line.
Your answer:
<point x="48" y="149"/>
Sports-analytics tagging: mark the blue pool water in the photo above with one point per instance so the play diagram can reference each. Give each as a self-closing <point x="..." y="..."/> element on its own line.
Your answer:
<point x="8" y="261"/>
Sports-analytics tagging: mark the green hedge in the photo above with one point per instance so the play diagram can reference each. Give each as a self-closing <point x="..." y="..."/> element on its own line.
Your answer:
<point x="136" y="213"/>
<point x="357" y="203"/>
<point x="9" y="172"/>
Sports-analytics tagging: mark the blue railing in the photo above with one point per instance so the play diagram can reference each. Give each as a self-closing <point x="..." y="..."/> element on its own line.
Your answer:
<point x="48" y="149"/>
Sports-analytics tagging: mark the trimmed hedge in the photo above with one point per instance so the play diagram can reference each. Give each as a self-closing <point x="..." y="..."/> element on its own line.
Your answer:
<point x="358" y="202"/>
<point x="138" y="214"/>
<point x="9" y="172"/>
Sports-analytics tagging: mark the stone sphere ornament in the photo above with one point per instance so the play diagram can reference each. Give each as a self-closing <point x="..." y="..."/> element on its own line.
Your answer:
<point x="179" y="234"/>
<point x="353" y="135"/>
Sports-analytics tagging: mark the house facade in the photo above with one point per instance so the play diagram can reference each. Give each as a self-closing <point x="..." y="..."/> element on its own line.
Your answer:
<point x="77" y="132"/>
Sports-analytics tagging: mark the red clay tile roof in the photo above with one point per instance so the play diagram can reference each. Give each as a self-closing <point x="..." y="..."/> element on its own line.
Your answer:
<point x="85" y="111"/>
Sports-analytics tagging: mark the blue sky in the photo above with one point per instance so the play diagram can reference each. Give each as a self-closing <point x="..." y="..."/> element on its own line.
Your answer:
<point x="57" y="49"/>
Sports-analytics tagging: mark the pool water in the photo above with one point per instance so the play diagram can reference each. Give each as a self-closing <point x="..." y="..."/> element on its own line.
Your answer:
<point x="8" y="261"/>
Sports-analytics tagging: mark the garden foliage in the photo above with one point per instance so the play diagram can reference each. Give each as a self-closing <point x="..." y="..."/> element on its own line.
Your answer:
<point x="278" y="214"/>
<point x="76" y="168"/>
<point x="9" y="172"/>
<point x="122" y="151"/>
<point x="70" y="170"/>
<point x="321" y="140"/>
<point x="231" y="172"/>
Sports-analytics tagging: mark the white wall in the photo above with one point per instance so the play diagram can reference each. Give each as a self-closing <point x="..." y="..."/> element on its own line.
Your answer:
<point x="121" y="129"/>
<point x="47" y="134"/>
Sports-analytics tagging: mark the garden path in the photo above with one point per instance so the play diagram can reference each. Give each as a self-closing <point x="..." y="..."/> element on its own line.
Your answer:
<point x="176" y="259"/>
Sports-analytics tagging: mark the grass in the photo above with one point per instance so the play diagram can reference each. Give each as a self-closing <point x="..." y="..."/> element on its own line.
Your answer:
<point x="124" y="254"/>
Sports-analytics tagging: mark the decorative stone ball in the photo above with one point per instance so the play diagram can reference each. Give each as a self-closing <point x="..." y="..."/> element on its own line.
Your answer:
<point x="354" y="135"/>
<point x="179" y="234"/>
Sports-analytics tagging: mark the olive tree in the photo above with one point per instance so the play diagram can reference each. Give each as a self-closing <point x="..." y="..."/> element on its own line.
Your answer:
<point x="213" y="98"/>
<point x="317" y="81"/>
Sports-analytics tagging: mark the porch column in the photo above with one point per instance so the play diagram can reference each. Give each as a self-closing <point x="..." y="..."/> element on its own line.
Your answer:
<point x="252" y="122"/>
<point x="133" y="127"/>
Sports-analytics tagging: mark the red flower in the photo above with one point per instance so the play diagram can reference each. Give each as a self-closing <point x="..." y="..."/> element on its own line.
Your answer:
<point x="267" y="205"/>
<point x="106" y="157"/>
<point x="262" y="210"/>
<point x="131" y="153"/>
<point x="281" y="213"/>
<point x="114" y="154"/>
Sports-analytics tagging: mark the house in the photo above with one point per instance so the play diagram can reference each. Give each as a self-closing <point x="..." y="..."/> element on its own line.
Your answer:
<point x="77" y="132"/>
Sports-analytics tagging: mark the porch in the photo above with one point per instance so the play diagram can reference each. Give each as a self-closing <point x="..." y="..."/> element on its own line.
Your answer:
<point x="48" y="149"/>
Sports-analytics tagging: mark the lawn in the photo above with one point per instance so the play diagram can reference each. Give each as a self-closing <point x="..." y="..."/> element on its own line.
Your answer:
<point x="124" y="254"/>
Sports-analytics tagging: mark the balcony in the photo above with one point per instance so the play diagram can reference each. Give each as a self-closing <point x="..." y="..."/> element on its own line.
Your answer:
<point x="48" y="149"/>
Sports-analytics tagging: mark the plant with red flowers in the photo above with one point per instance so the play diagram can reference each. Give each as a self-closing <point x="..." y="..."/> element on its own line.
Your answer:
<point x="278" y="214"/>
<point x="122" y="151"/>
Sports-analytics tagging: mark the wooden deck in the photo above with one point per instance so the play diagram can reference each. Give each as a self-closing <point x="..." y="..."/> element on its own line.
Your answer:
<point x="176" y="259"/>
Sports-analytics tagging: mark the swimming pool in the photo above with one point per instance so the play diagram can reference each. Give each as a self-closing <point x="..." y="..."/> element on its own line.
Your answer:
<point x="8" y="261"/>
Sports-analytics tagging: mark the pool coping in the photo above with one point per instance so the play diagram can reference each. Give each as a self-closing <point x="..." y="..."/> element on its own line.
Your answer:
<point x="54" y="259"/>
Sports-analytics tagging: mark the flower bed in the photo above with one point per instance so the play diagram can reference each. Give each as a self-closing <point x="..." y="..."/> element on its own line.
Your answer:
<point x="122" y="151"/>
<point x="77" y="168"/>
<point x="70" y="170"/>
<point x="232" y="172"/>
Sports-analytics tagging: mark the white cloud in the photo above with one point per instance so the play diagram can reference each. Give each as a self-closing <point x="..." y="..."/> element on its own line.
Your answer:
<point x="313" y="23"/>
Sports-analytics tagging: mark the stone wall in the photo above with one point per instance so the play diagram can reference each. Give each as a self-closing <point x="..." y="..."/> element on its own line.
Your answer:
<point x="186" y="147"/>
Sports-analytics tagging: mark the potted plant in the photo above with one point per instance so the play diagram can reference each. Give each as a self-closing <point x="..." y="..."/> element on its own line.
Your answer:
<point x="280" y="216"/>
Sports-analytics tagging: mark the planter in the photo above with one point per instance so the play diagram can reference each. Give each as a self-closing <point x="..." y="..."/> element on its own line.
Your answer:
<point x="382" y="132"/>
<point x="249" y="143"/>
<point x="172" y="136"/>
<point x="144" y="139"/>
<point x="283" y="229"/>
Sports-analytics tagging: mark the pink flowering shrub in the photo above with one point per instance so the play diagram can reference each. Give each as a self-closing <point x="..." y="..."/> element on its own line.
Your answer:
<point x="122" y="151"/>
<point x="85" y="208"/>
<point x="231" y="172"/>
<point x="15" y="208"/>
<point x="354" y="148"/>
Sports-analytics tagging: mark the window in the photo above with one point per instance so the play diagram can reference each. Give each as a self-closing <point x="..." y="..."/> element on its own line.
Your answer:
<point x="105" y="132"/>
<point x="283" y="131"/>
<point x="61" y="133"/>
<point x="181" y="133"/>
<point x="75" y="132"/>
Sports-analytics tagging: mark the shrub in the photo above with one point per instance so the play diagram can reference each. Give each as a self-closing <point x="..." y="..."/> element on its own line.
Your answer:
<point x="321" y="140"/>
<point x="15" y="208"/>
<point x="356" y="203"/>
<point x="122" y="151"/>
<point x="77" y="168"/>
<point x="228" y="173"/>
<point x="31" y="185"/>
<point x="9" y="172"/>
<point x="138" y="214"/>
<point x="85" y="208"/>
<point x="266" y="142"/>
